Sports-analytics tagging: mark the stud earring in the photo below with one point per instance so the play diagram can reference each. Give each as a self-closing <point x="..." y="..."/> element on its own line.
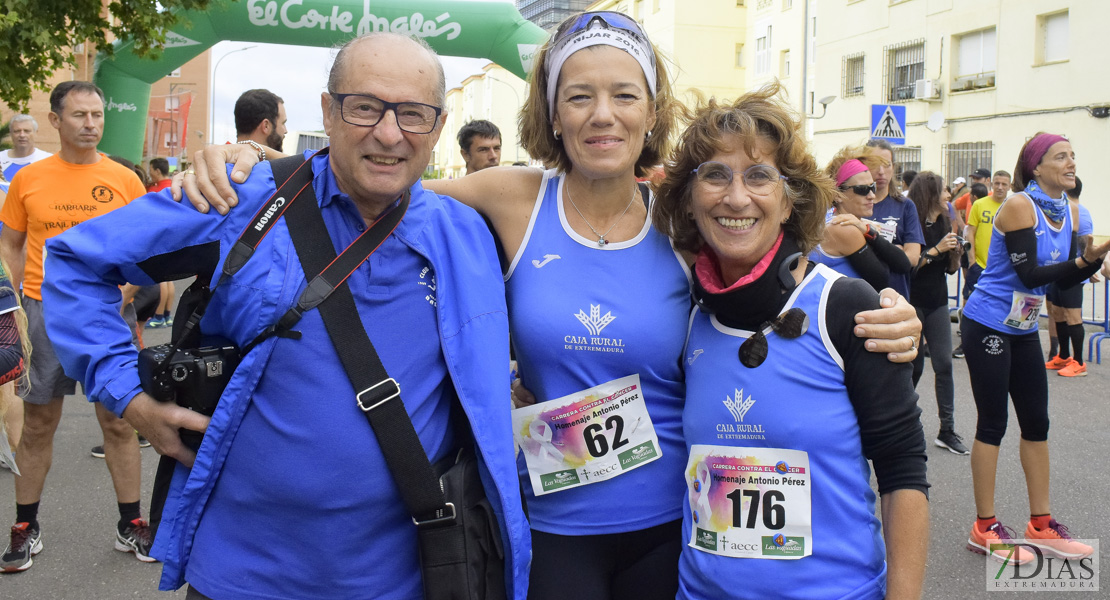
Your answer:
<point x="647" y="136"/>
<point x="556" y="132"/>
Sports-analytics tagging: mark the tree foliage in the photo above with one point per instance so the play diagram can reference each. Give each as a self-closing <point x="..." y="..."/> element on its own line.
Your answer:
<point x="39" y="34"/>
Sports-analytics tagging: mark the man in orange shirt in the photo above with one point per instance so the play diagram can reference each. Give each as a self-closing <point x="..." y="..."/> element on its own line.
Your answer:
<point x="47" y="198"/>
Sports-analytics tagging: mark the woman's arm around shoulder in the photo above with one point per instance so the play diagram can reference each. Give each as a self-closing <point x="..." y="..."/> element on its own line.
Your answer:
<point x="503" y="195"/>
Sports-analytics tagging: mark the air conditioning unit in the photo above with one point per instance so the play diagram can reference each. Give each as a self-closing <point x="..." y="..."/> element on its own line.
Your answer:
<point x="926" y="89"/>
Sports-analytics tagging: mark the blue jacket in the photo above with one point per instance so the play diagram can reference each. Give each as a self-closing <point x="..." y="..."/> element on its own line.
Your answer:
<point x="156" y="239"/>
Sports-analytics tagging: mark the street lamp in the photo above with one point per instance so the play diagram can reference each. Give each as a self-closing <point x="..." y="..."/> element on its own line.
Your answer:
<point x="518" y="106"/>
<point x="212" y="93"/>
<point x="824" y="102"/>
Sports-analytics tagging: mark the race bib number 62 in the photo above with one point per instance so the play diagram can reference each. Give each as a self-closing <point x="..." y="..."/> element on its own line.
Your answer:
<point x="586" y="437"/>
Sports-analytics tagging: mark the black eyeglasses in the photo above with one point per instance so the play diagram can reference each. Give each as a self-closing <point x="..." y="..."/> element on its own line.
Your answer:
<point x="365" y="110"/>
<point x="759" y="179"/>
<point x="789" y="325"/>
<point x="860" y="190"/>
<point x="610" y="19"/>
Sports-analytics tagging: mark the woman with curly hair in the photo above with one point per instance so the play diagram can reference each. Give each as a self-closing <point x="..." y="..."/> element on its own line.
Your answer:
<point x="778" y="501"/>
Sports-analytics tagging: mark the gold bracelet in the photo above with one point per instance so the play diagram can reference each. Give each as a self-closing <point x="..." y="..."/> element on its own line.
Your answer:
<point x="256" y="146"/>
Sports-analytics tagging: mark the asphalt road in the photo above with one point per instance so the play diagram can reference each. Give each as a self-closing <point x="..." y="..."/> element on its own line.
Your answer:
<point x="78" y="510"/>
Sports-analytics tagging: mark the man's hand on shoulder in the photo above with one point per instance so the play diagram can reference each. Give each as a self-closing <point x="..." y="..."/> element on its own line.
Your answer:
<point x="893" y="329"/>
<point x="159" y="422"/>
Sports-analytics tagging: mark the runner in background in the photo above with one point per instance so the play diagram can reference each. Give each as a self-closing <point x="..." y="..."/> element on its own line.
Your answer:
<point x="1033" y="244"/>
<point x="1065" y="306"/>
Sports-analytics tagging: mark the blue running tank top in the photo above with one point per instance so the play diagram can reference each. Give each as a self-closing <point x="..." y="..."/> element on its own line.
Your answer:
<point x="795" y="400"/>
<point x="581" y="315"/>
<point x="1001" y="301"/>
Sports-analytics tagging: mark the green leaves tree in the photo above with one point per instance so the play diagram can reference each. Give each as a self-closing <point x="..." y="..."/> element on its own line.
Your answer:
<point x="39" y="35"/>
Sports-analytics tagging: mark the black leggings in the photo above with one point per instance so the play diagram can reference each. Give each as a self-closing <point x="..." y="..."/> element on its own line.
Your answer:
<point x="1002" y="364"/>
<point x="637" y="565"/>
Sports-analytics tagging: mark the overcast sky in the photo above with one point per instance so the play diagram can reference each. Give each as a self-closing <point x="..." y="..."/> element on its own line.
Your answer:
<point x="296" y="73"/>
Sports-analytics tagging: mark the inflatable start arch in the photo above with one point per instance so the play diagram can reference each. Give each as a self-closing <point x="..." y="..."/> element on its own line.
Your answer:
<point x="471" y="29"/>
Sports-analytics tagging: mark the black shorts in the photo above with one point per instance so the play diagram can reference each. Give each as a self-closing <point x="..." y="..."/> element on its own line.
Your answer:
<point x="1065" y="298"/>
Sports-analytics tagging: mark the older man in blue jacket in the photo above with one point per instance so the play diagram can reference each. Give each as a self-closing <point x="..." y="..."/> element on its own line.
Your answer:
<point x="289" y="496"/>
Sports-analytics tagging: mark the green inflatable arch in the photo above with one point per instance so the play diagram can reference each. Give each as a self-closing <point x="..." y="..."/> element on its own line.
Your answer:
<point x="471" y="29"/>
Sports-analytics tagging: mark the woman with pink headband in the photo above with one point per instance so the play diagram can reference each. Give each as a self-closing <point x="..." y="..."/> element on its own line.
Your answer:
<point x="852" y="244"/>
<point x="1033" y="244"/>
<point x="596" y="296"/>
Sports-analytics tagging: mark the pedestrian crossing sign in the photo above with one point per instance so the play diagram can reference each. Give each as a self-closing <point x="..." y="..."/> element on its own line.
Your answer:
<point x="888" y="122"/>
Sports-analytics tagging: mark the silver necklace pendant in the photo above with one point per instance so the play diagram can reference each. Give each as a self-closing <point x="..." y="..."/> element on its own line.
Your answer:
<point x="602" y="242"/>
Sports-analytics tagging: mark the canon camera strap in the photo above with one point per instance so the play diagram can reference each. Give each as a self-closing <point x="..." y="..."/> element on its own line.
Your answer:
<point x="377" y="394"/>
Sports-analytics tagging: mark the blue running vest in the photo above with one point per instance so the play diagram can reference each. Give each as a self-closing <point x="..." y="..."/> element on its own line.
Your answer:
<point x="991" y="302"/>
<point x="840" y="264"/>
<point x="800" y="403"/>
<point x="581" y="315"/>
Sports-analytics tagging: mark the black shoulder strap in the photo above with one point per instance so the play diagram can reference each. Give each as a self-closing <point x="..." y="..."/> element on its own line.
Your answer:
<point x="377" y="394"/>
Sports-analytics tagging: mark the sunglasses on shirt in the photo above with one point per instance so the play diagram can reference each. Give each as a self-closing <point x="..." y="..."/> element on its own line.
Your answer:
<point x="788" y="325"/>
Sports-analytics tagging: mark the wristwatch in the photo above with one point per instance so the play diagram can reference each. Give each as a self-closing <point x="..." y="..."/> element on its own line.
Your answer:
<point x="256" y="146"/>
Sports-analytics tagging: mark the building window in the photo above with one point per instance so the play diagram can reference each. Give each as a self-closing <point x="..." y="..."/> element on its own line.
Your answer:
<point x="905" y="64"/>
<point x="784" y="64"/>
<point x="977" y="57"/>
<point x="962" y="159"/>
<point x="173" y="103"/>
<point x="740" y="56"/>
<point x="908" y="158"/>
<point x="175" y="73"/>
<point x="1052" y="38"/>
<point x="852" y="74"/>
<point x="813" y="40"/>
<point x="171" y="141"/>
<point x="787" y="4"/>
<point x="763" y="50"/>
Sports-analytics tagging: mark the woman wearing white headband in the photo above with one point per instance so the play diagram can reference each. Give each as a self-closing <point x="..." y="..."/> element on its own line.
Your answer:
<point x="596" y="295"/>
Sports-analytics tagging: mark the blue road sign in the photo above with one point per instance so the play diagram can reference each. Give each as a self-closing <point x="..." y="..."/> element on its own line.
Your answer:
<point x="888" y="122"/>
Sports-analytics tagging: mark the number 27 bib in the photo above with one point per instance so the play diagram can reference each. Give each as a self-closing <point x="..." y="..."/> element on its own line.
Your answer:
<point x="750" y="502"/>
<point x="586" y="437"/>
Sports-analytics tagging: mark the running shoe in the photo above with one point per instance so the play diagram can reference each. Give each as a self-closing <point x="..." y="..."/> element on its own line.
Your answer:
<point x="1058" y="363"/>
<point x="135" y="538"/>
<point x="143" y="442"/>
<point x="958" y="352"/>
<point x="1002" y="538"/>
<point x="1057" y="540"/>
<point x="24" y="544"/>
<point x="1074" y="369"/>
<point x="951" y="442"/>
<point x="155" y="323"/>
<point x="97" y="451"/>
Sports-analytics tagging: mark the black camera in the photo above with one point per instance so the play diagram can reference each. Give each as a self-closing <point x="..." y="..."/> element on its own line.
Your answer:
<point x="966" y="245"/>
<point x="192" y="377"/>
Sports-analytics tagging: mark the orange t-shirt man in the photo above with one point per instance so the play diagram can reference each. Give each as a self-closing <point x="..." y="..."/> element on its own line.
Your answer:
<point x="50" y="196"/>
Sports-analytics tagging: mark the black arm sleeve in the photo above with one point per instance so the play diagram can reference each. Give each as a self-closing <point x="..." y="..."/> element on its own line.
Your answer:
<point x="11" y="351"/>
<point x="890" y="254"/>
<point x="881" y="393"/>
<point x="870" y="267"/>
<point x="1022" y="247"/>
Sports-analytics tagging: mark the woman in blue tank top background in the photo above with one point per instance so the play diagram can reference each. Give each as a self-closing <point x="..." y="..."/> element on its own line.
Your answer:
<point x="1033" y="244"/>
<point x="784" y="406"/>
<point x="852" y="244"/>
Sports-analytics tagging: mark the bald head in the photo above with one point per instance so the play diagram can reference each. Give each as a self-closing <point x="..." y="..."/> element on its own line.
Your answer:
<point x="380" y="45"/>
